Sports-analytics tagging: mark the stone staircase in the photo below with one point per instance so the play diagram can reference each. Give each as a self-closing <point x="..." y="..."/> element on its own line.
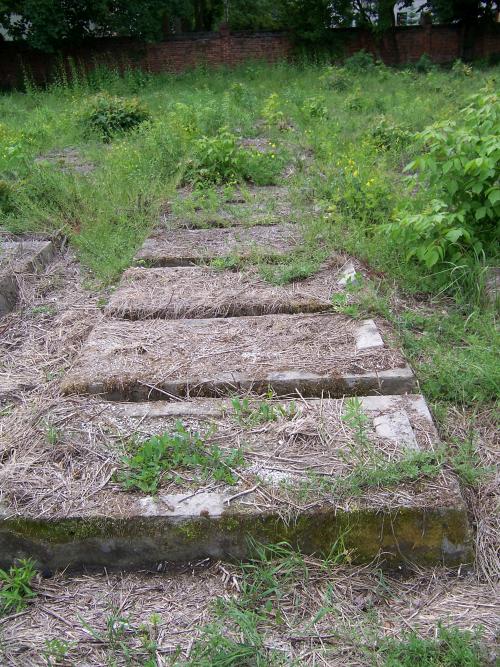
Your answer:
<point x="268" y="372"/>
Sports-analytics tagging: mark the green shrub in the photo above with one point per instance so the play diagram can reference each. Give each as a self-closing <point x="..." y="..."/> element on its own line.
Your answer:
<point x="458" y="175"/>
<point x="108" y="116"/>
<point x="273" y="114"/>
<point x="424" y="64"/>
<point x="180" y="450"/>
<point x="360" y="62"/>
<point x="220" y="159"/>
<point x="336" y="78"/>
<point x="6" y="197"/>
<point x="315" y="107"/>
<point x="215" y="159"/>
<point x="355" y="101"/>
<point x="460" y="68"/>
<point x="388" y="135"/>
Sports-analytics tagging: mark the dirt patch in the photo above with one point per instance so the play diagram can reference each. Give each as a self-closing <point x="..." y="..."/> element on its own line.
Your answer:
<point x="183" y="247"/>
<point x="200" y="292"/>
<point x="68" y="160"/>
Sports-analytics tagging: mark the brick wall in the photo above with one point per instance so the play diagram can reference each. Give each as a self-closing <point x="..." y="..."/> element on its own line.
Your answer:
<point x="173" y="55"/>
<point x="444" y="43"/>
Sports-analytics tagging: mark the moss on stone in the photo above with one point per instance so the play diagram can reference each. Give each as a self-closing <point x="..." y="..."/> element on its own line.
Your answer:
<point x="409" y="534"/>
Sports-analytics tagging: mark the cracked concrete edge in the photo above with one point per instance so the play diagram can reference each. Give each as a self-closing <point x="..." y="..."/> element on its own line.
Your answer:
<point x="283" y="383"/>
<point x="348" y="275"/>
<point x="367" y="336"/>
<point x="218" y="407"/>
<point x="21" y="257"/>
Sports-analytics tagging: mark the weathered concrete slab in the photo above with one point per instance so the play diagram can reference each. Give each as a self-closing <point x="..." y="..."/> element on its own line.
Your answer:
<point x="293" y="486"/>
<point x="184" y="247"/>
<point x="16" y="258"/>
<point x="198" y="292"/>
<point x="311" y="354"/>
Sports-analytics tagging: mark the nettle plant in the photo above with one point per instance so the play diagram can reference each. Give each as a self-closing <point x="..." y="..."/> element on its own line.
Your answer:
<point x="460" y="168"/>
<point x="108" y="116"/>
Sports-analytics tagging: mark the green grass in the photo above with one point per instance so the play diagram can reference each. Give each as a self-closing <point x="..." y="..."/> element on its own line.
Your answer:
<point x="276" y="591"/>
<point x="15" y="586"/>
<point x="163" y="456"/>
<point x="452" y="648"/>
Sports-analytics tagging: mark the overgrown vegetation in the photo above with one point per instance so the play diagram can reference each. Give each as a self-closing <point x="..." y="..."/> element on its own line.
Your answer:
<point x="167" y="455"/>
<point x="108" y="116"/>
<point x="338" y="137"/>
<point x="451" y="647"/>
<point x="250" y="413"/>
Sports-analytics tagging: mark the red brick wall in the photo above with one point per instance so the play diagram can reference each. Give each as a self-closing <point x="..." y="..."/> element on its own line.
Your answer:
<point x="444" y="43"/>
<point x="173" y="55"/>
<point x="401" y="45"/>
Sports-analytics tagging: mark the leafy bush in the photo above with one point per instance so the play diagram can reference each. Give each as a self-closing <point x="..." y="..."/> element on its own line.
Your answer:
<point x="336" y="78"/>
<point x="272" y="113"/>
<point x="219" y="159"/>
<point x="315" y="107"/>
<point x="388" y="135"/>
<point x="460" y="169"/>
<point x="424" y="64"/>
<point x="215" y="159"/>
<point x="360" y="62"/>
<point x="6" y="197"/>
<point x="355" y="101"/>
<point x="179" y="450"/>
<point x="359" y="191"/>
<point x="108" y="116"/>
<point x="460" y="68"/>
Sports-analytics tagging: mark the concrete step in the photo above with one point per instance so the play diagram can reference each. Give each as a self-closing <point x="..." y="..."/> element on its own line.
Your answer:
<point x="18" y="258"/>
<point x="249" y="206"/>
<point x="198" y="292"/>
<point x="309" y="472"/>
<point x="313" y="354"/>
<point x="184" y="247"/>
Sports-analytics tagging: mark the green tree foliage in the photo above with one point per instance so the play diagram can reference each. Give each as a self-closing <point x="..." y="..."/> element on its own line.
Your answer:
<point x="467" y="11"/>
<point x="44" y="24"/>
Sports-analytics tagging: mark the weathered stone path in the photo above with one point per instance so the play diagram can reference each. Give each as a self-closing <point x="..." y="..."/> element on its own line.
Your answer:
<point x="264" y="370"/>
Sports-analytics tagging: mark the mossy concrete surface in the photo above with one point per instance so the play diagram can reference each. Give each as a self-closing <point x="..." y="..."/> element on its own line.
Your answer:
<point x="399" y="536"/>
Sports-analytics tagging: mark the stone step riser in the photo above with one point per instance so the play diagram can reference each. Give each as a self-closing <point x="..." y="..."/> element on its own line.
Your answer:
<point x="401" y="538"/>
<point x="187" y="247"/>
